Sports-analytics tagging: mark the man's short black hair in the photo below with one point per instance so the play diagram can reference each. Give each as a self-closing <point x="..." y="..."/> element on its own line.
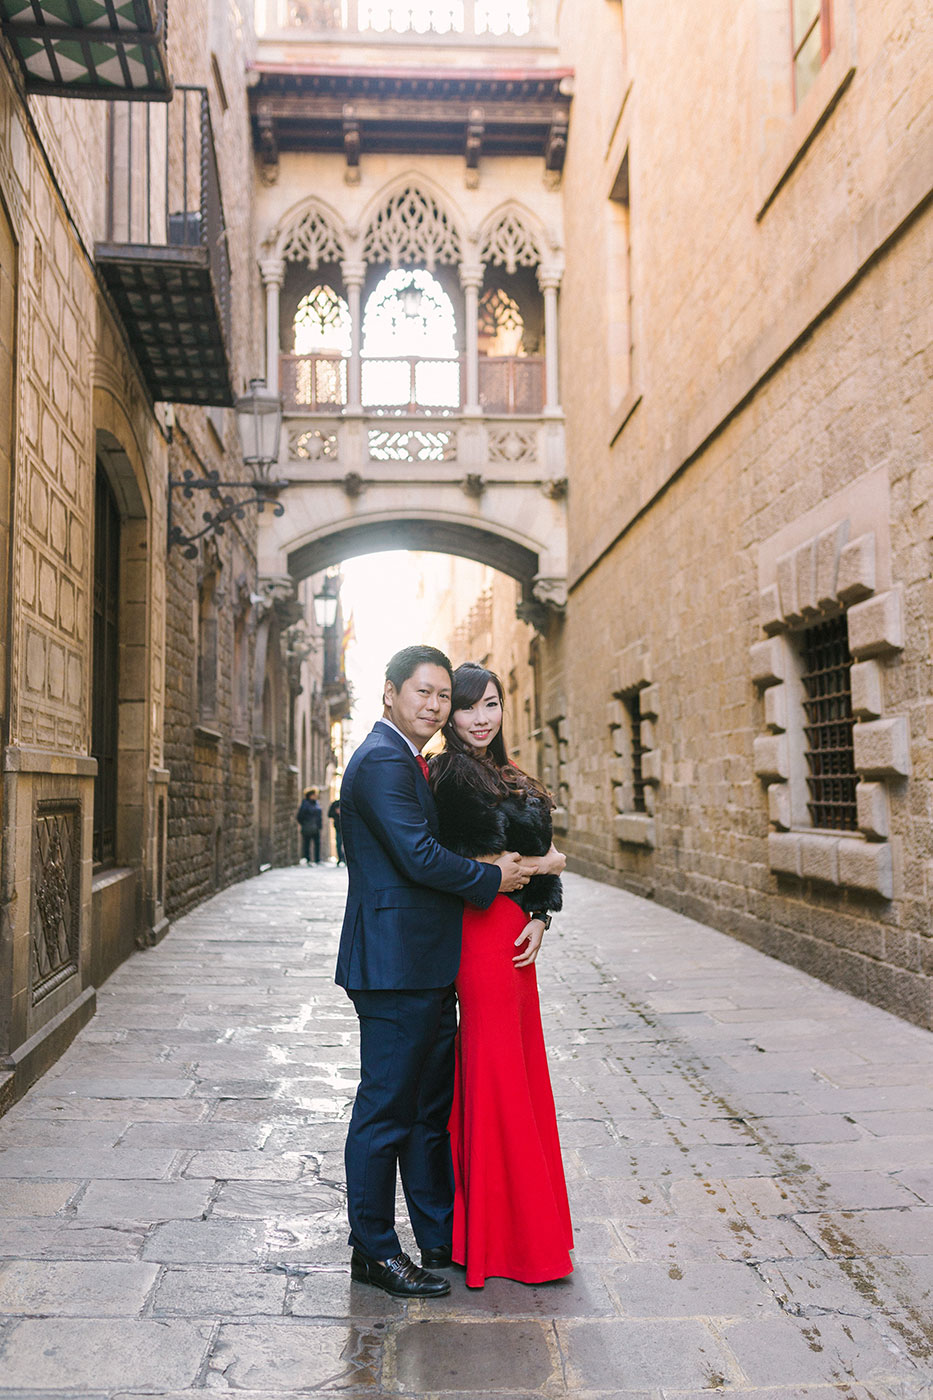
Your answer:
<point x="406" y="662"/>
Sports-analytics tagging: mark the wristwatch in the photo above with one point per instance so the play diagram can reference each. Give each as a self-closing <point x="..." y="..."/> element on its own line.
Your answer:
<point x="543" y="915"/>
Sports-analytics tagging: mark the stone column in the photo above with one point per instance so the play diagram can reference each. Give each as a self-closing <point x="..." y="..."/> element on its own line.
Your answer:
<point x="471" y="279"/>
<point x="549" y="283"/>
<point x="354" y="275"/>
<point x="273" y="275"/>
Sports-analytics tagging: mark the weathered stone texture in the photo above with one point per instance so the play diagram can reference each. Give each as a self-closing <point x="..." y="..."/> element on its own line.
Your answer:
<point x="744" y="425"/>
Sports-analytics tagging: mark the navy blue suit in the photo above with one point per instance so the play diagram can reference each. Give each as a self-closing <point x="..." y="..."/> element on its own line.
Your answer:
<point x="399" y="955"/>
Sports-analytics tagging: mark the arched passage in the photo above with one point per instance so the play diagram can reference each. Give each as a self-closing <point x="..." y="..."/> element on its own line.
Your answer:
<point x="432" y="536"/>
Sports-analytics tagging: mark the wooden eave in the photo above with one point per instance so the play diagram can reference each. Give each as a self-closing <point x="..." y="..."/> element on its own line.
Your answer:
<point x="406" y="110"/>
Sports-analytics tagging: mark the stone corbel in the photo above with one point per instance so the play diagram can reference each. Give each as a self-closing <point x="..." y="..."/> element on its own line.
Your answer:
<point x="476" y="128"/>
<point x="352" y="144"/>
<point x="546" y="599"/>
<point x="268" y="145"/>
<point x="277" y="594"/>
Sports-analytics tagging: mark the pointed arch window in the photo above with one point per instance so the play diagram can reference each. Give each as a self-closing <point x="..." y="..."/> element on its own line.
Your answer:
<point x="410" y="343"/>
<point x="322" y="323"/>
<point x="501" y="324"/>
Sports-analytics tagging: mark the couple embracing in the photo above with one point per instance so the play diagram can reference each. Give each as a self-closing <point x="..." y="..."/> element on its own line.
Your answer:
<point x="452" y="877"/>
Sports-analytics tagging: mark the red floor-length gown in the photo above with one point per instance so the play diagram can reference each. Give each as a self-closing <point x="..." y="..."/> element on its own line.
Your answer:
<point x="511" y="1215"/>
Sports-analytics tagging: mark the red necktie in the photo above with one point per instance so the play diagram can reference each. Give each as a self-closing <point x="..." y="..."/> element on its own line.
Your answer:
<point x="422" y="763"/>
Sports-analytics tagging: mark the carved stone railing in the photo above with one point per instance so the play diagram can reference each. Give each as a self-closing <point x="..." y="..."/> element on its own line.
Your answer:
<point x="414" y="385"/>
<point x="445" y="19"/>
<point x="520" y="448"/>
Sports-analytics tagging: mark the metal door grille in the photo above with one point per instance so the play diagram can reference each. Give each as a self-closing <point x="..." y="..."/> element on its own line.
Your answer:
<point x="104" y="681"/>
<point x="828" y="707"/>
<point x="633" y="704"/>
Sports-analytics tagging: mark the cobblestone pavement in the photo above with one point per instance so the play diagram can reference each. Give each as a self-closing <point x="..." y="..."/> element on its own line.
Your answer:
<point x="750" y="1156"/>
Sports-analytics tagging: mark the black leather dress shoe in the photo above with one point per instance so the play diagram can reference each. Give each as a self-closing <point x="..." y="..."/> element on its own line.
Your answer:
<point x="399" y="1276"/>
<point x="436" y="1258"/>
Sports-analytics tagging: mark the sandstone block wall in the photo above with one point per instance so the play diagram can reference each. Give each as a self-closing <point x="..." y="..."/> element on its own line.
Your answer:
<point x="780" y="355"/>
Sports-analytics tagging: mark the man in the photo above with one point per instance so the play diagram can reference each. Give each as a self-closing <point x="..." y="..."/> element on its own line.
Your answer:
<point x="399" y="955"/>
<point x="333" y="812"/>
<point x="309" y="819"/>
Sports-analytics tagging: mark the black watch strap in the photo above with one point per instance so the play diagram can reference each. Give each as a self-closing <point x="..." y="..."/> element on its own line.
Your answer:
<point x="543" y="915"/>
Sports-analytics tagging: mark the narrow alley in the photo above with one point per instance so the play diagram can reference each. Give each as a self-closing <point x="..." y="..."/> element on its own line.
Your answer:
<point x="749" y="1154"/>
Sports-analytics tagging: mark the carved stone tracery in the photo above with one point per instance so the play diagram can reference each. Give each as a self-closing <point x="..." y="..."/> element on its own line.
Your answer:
<point x="313" y="240"/>
<point x="509" y="243"/>
<point x="411" y="228"/>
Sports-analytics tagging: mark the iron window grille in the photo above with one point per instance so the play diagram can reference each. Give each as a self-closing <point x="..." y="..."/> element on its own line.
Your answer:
<point x="828" y="708"/>
<point x="633" y="705"/>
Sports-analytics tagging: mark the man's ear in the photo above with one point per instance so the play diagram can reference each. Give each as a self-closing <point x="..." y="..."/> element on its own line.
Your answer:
<point x="389" y="694"/>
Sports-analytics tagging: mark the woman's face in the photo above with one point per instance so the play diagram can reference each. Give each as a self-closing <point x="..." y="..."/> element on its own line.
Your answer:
<point x="477" y="724"/>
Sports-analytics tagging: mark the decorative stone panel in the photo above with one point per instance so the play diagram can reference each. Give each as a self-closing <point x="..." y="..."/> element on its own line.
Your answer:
<point x="822" y="575"/>
<point x="56" y="878"/>
<point x="632" y="677"/>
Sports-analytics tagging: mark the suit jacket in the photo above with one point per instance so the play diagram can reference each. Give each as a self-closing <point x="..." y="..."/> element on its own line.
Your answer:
<point x="401" y="927"/>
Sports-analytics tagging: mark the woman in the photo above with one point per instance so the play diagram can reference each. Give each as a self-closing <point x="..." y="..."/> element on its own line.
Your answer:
<point x="511" y="1216"/>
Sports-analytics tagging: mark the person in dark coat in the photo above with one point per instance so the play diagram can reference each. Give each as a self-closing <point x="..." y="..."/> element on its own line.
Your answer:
<point x="310" y="819"/>
<point x="333" y="812"/>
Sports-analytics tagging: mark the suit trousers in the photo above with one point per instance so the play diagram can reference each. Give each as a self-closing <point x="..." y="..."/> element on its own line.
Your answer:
<point x="400" y="1118"/>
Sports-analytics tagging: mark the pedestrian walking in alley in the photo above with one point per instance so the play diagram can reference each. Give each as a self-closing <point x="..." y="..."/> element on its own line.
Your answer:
<point x="333" y="813"/>
<point x="310" y="819"/>
<point x="511" y="1213"/>
<point x="398" y="957"/>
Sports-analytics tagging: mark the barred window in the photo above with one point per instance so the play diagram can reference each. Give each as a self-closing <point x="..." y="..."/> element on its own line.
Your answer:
<point x="633" y="705"/>
<point x="828" y="706"/>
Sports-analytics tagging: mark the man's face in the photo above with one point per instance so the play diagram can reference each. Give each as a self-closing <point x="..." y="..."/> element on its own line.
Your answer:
<point x="421" y="704"/>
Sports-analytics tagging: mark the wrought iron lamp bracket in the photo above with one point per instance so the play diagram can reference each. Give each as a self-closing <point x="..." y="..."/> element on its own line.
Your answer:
<point x="264" y="493"/>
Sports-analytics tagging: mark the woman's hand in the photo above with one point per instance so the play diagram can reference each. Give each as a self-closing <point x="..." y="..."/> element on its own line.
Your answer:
<point x="554" y="863"/>
<point x="532" y="935"/>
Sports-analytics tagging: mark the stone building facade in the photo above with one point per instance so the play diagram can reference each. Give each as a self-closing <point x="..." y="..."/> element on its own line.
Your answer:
<point x="134" y="677"/>
<point x="746" y="318"/>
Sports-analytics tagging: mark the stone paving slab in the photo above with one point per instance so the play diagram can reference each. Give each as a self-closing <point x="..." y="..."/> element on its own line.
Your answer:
<point x="749" y="1157"/>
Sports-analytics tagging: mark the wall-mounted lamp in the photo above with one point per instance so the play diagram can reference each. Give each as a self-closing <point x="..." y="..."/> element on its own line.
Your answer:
<point x="259" y="418"/>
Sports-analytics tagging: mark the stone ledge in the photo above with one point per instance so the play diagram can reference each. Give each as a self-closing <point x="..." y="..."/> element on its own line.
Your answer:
<point x="857" y="570"/>
<point x="768" y="662"/>
<point x="772" y="763"/>
<point x="20" y="759"/>
<point x="205" y="735"/>
<point x="877" y="625"/>
<point x="651" y="766"/>
<point x="867" y="700"/>
<point x="873" y="808"/>
<point x="833" y="860"/>
<point x="634" y="829"/>
<point x="882" y="748"/>
<point x="559" y="819"/>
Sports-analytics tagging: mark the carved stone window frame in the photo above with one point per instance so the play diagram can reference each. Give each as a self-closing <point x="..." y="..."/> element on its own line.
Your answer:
<point x="842" y="566"/>
<point x="634" y="675"/>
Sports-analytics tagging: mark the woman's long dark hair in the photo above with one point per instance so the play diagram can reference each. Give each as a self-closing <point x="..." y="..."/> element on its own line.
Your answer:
<point x="495" y="773"/>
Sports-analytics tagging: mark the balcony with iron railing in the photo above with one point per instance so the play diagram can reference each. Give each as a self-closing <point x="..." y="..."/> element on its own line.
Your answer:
<point x="90" y="48"/>
<point x="164" y="257"/>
